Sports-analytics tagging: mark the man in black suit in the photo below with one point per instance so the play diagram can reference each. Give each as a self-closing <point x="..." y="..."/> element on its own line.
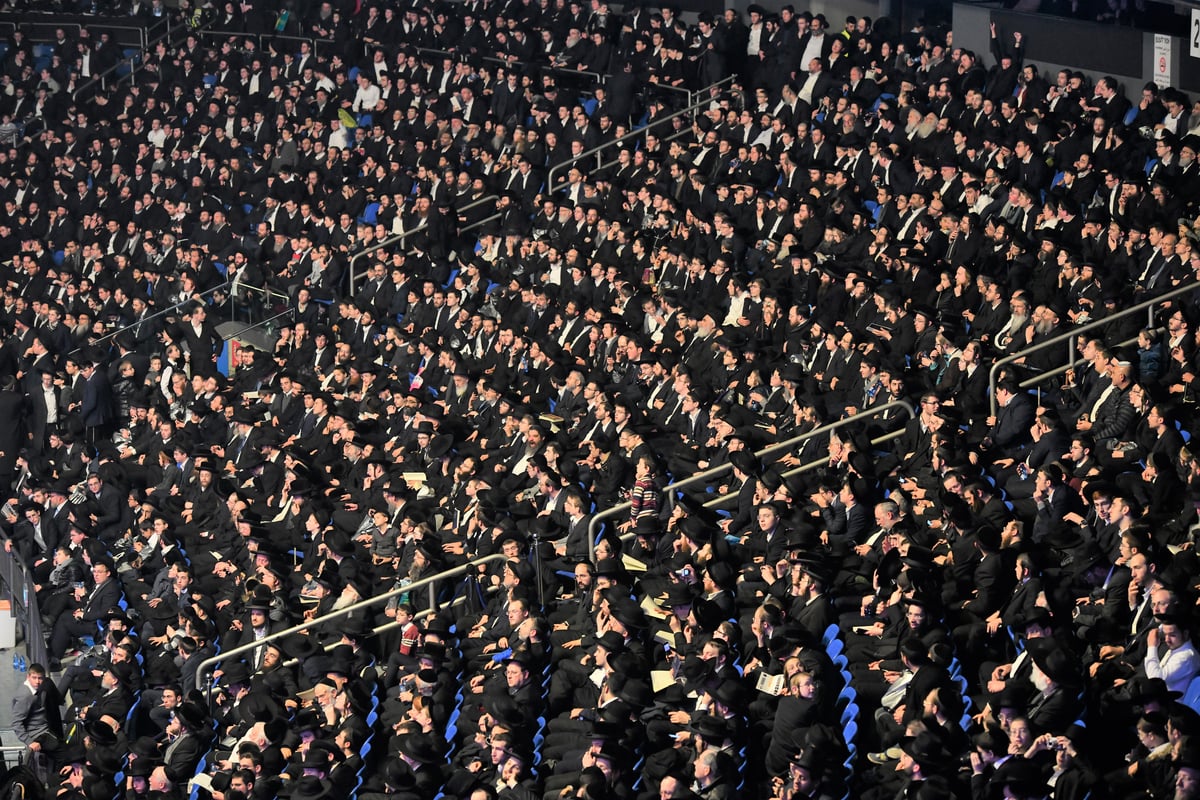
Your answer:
<point x="188" y="737"/>
<point x="91" y="606"/>
<point x="890" y="723"/>
<point x="1054" y="501"/>
<point x="845" y="519"/>
<point x="1015" y="474"/>
<point x="1056" y="677"/>
<point x="97" y="405"/>
<point x="42" y="400"/>
<point x="1008" y="430"/>
<point x="574" y="547"/>
<point x="976" y="638"/>
<point x="34" y="537"/>
<point x="812" y="609"/>
<point x="199" y="336"/>
<point x="104" y="509"/>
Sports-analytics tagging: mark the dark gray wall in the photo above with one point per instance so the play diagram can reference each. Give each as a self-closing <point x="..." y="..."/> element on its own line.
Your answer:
<point x="1054" y="43"/>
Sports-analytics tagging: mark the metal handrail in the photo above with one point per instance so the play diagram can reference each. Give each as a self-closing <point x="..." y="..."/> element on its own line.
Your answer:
<point x="259" y="38"/>
<point x="267" y="295"/>
<point x="519" y="65"/>
<point x="18" y="584"/>
<point x="686" y="92"/>
<point x="633" y="134"/>
<point x="33" y="22"/>
<point x="399" y="237"/>
<point x="603" y="165"/>
<point x="135" y="63"/>
<point x="431" y="581"/>
<point x="887" y="437"/>
<point x="30" y="29"/>
<point x="100" y="78"/>
<point x="143" y="31"/>
<point x="387" y="626"/>
<point x="267" y="291"/>
<point x="704" y="475"/>
<point x="1073" y="333"/>
<point x="242" y="331"/>
<point x="479" y="223"/>
<point x="382" y="243"/>
<point x="1042" y="377"/>
<point x="38" y="30"/>
<point x="163" y="312"/>
<point x="11" y="749"/>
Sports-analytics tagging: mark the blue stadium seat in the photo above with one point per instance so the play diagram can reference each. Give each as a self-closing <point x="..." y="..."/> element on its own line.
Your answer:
<point x="1191" y="698"/>
<point x="835" y="648"/>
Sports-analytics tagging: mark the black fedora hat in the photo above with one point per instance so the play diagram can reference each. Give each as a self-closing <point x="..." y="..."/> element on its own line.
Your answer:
<point x="298" y="646"/>
<point x="398" y="775"/>
<point x="613" y="642"/>
<point x="628" y="613"/>
<point x="506" y="711"/>
<point x="1143" y="691"/>
<point x="710" y="728"/>
<point x="1023" y="777"/>
<point x="100" y="732"/>
<point x="419" y="748"/>
<point x="1054" y="662"/>
<point x="192" y="715"/>
<point x="235" y="672"/>
<point x="310" y="787"/>
<point x="145" y="747"/>
<point x="924" y="748"/>
<point x="636" y="693"/>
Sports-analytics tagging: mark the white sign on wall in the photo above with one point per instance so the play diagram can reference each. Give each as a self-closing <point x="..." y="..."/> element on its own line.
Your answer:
<point x="1194" y="34"/>
<point x="1162" y="59"/>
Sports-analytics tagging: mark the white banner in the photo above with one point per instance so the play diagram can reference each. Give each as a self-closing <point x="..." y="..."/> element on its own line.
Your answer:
<point x="1162" y="59"/>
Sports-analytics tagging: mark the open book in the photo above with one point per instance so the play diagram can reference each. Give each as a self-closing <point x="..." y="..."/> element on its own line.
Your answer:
<point x="771" y="684"/>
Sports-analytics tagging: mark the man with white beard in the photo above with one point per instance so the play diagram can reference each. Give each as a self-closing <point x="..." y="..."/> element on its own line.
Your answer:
<point x="1053" y="676"/>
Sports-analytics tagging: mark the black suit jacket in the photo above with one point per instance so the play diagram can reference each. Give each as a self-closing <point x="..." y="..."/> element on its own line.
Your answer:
<point x="1013" y="422"/>
<point x="107" y="508"/>
<point x="924" y="680"/>
<point x="101" y="600"/>
<point x="182" y="756"/>
<point x="813" y="616"/>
